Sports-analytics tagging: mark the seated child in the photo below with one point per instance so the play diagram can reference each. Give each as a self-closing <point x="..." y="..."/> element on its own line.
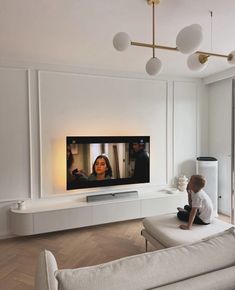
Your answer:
<point x="200" y="208"/>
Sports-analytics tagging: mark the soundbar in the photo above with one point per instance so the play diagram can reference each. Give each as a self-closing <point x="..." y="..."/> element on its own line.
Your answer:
<point x="112" y="196"/>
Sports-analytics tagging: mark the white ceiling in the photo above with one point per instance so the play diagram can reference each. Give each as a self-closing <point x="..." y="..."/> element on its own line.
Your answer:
<point x="80" y="32"/>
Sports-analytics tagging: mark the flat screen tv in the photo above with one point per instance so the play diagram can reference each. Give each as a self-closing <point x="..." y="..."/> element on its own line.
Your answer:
<point x="105" y="161"/>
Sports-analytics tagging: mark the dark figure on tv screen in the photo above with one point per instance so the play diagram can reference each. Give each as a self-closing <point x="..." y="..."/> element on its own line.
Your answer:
<point x="71" y="179"/>
<point x="74" y="176"/>
<point x="101" y="169"/>
<point x="141" y="171"/>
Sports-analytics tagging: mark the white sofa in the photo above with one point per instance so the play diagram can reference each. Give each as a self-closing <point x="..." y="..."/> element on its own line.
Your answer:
<point x="205" y="265"/>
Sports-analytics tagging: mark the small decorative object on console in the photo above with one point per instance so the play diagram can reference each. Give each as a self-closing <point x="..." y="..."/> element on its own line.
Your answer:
<point x="21" y="204"/>
<point x="171" y="190"/>
<point x="182" y="183"/>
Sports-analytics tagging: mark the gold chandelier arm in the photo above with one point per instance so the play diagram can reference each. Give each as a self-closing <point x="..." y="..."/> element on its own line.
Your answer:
<point x="212" y="54"/>
<point x="151" y="46"/>
<point x="175" y="49"/>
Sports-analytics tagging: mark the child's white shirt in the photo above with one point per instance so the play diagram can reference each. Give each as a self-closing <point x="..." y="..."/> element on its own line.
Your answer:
<point x="202" y="201"/>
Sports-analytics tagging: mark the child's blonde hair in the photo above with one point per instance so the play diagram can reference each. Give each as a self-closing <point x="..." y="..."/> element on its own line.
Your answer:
<point x="199" y="181"/>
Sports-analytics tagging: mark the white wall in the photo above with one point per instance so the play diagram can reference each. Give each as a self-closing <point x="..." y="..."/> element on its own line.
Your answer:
<point x="185" y="127"/>
<point x="220" y="110"/>
<point x="14" y="128"/>
<point x="42" y="104"/>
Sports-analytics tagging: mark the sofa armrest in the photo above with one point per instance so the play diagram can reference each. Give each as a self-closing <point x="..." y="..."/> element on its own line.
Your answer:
<point x="46" y="267"/>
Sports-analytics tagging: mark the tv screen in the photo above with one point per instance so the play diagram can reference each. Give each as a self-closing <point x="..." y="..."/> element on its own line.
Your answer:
<point x="106" y="161"/>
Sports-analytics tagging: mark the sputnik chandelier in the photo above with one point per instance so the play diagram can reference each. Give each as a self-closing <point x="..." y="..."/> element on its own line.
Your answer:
<point x="188" y="42"/>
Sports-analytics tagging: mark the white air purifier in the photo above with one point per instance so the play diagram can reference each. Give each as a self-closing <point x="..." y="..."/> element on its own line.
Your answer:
<point x="208" y="167"/>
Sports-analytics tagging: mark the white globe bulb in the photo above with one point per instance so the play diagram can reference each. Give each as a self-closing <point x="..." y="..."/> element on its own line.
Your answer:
<point x="194" y="63"/>
<point x="189" y="39"/>
<point x="153" y="66"/>
<point x="121" y="41"/>
<point x="231" y="58"/>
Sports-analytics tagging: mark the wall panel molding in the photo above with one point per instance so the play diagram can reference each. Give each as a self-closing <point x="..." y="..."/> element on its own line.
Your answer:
<point x="37" y="98"/>
<point x="15" y="137"/>
<point x="185" y="117"/>
<point x="145" y="103"/>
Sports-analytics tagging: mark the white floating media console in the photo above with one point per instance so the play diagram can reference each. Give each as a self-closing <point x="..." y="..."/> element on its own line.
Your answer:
<point x="49" y="217"/>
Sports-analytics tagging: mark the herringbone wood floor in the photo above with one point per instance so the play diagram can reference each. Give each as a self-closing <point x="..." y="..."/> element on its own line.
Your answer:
<point x="72" y="249"/>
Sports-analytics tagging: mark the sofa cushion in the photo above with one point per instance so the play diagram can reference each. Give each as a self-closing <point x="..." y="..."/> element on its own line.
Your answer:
<point x="165" y="229"/>
<point x="45" y="278"/>
<point x="154" y="269"/>
<point x="219" y="280"/>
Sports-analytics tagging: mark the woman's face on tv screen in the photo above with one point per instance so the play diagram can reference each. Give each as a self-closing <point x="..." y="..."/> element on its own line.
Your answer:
<point x="100" y="166"/>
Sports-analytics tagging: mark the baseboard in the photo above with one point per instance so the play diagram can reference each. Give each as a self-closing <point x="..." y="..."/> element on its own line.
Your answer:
<point x="6" y="235"/>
